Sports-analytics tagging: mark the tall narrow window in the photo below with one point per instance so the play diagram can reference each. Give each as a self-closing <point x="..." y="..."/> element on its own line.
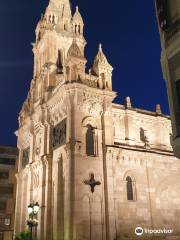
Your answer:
<point x="59" y="63"/>
<point x="53" y="19"/>
<point x="129" y="186"/>
<point x="90" y="141"/>
<point x="79" y="29"/>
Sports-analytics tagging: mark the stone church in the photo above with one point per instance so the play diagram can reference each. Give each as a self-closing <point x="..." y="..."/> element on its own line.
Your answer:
<point x="98" y="170"/>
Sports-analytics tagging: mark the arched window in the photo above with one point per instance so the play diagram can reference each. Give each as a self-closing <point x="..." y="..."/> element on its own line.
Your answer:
<point x="90" y="141"/>
<point x="129" y="188"/>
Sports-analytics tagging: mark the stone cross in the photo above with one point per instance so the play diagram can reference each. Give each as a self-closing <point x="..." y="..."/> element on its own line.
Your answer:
<point x="92" y="182"/>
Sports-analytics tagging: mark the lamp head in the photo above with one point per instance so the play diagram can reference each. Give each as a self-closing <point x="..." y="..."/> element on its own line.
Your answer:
<point x="30" y="208"/>
<point x="36" y="207"/>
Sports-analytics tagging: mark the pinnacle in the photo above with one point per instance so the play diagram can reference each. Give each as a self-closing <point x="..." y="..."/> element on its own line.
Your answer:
<point x="158" y="109"/>
<point x="100" y="47"/>
<point x="77" y="16"/>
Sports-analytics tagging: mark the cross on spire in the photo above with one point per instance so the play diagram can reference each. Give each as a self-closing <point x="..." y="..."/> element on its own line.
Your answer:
<point x="92" y="182"/>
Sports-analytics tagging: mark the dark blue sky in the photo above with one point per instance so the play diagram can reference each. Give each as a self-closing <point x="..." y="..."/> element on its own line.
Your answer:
<point x="127" y="30"/>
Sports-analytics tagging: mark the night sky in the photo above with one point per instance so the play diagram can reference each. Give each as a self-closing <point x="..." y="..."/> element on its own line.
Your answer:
<point x="129" y="35"/>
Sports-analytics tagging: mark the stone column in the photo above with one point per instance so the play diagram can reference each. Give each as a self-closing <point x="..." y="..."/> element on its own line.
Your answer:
<point x="107" y="139"/>
<point x="17" y="227"/>
<point x="58" y="213"/>
<point x="24" y="203"/>
<point x="48" y="199"/>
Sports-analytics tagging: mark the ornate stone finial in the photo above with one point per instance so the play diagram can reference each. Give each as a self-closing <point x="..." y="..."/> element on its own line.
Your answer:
<point x="100" y="47"/>
<point x="128" y="102"/>
<point x="77" y="9"/>
<point x="158" y="109"/>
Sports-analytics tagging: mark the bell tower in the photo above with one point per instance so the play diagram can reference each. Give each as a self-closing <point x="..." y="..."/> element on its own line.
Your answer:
<point x="56" y="33"/>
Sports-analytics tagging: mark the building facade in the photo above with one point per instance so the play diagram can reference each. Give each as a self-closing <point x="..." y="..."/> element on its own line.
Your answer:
<point x="97" y="169"/>
<point x="8" y="157"/>
<point x="168" y="15"/>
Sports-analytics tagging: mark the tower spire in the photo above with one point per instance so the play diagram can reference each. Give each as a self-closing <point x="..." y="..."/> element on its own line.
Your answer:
<point x="103" y="69"/>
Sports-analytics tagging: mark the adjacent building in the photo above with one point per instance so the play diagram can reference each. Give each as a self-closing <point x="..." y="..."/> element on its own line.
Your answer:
<point x="168" y="14"/>
<point x="8" y="157"/>
<point x="97" y="169"/>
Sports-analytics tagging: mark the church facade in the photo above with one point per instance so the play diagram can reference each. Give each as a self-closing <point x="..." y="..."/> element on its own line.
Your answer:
<point x="98" y="170"/>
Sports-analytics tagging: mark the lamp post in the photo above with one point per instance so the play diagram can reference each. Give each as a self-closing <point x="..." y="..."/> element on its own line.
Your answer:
<point x="33" y="210"/>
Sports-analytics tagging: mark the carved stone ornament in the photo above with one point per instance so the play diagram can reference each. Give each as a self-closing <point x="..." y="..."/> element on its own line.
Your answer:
<point x="91" y="104"/>
<point x="92" y="182"/>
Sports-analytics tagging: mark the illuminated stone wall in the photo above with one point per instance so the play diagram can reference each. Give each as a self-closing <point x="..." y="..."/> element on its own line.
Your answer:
<point x="77" y="148"/>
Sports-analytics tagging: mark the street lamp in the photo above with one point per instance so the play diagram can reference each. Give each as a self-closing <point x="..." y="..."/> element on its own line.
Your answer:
<point x="32" y="222"/>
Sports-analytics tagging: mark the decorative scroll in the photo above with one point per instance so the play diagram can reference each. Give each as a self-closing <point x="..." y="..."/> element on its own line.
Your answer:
<point x="59" y="134"/>
<point x="25" y="157"/>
